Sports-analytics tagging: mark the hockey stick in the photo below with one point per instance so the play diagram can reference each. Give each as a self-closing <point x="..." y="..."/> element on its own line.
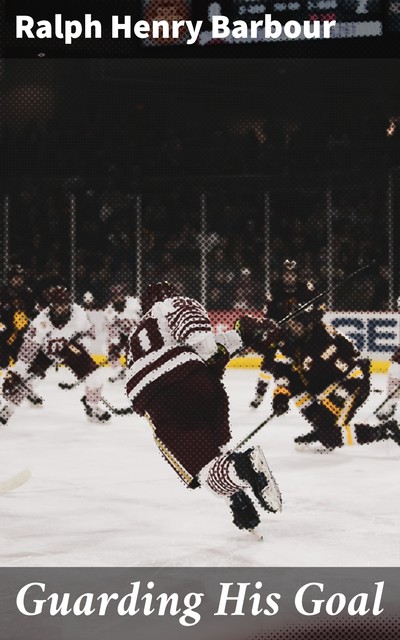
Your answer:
<point x="33" y="397"/>
<point x="389" y="397"/>
<point x="326" y="292"/>
<point x="124" y="411"/>
<point x="307" y="304"/>
<point x="67" y="386"/>
<point x="253" y="433"/>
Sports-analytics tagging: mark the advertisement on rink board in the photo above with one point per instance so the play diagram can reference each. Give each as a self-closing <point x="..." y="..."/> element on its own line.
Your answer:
<point x="376" y="335"/>
<point x="205" y="145"/>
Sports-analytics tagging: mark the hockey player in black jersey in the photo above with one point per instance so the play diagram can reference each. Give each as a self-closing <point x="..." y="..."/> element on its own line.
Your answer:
<point x="323" y="373"/>
<point x="17" y="309"/>
<point x="284" y="296"/>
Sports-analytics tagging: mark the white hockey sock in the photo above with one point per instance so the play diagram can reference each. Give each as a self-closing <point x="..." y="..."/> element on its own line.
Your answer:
<point x="8" y="410"/>
<point x="93" y="395"/>
<point x="221" y="477"/>
<point x="393" y="388"/>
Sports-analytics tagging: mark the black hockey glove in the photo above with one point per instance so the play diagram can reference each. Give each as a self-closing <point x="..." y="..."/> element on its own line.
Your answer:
<point x="13" y="385"/>
<point x="219" y="360"/>
<point x="40" y="364"/>
<point x="280" y="404"/>
<point x="259" y="333"/>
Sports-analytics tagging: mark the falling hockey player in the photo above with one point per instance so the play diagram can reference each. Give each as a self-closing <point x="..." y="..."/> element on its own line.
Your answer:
<point x="55" y="336"/>
<point x="175" y="366"/>
<point x="322" y="372"/>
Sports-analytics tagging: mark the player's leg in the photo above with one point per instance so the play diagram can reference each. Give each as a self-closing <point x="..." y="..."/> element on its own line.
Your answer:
<point x="221" y="477"/>
<point x="118" y="371"/>
<point x="79" y="361"/>
<point x="393" y="392"/>
<point x="332" y="413"/>
<point x="324" y="427"/>
<point x="15" y="391"/>
<point x="191" y="425"/>
<point x="190" y="419"/>
<point x="92" y="398"/>
<point x="386" y="430"/>
<point x="263" y="382"/>
<point x="264" y="379"/>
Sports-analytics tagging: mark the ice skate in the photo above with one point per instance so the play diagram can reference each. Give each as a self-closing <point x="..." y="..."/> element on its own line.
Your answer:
<point x="254" y="404"/>
<point x="391" y="430"/>
<point x="245" y="515"/>
<point x="310" y="443"/>
<point x="251" y="466"/>
<point x="95" y="413"/>
<point x="5" y="414"/>
<point x="35" y="400"/>
<point x="388" y="412"/>
<point x="120" y="376"/>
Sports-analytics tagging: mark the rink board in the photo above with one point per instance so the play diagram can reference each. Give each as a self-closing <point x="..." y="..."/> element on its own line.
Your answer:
<point x="254" y="362"/>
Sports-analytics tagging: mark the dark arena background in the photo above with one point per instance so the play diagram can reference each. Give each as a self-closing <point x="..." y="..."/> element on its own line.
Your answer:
<point x="203" y="172"/>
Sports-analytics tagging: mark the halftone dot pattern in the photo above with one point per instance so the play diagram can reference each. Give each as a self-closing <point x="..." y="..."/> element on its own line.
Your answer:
<point x="249" y="186"/>
<point x="393" y="17"/>
<point x="358" y="22"/>
<point x="350" y="629"/>
<point x="168" y="11"/>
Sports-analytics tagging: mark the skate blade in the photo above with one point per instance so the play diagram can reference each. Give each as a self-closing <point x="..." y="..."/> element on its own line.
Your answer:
<point x="271" y="493"/>
<point x="93" y="420"/>
<point x="303" y="447"/>
<point x="256" y="535"/>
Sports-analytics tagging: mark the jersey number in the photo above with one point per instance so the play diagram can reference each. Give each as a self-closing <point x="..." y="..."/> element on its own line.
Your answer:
<point x="146" y="338"/>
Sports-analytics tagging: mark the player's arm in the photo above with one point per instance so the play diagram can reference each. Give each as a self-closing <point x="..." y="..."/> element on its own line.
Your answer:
<point x="31" y="363"/>
<point x="30" y="348"/>
<point x="76" y="357"/>
<point x="261" y="334"/>
<point x="117" y="335"/>
<point x="190" y="325"/>
<point x="343" y="344"/>
<point x="284" y="380"/>
<point x="133" y="311"/>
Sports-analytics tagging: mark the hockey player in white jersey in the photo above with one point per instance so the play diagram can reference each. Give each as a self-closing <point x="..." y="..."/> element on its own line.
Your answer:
<point x="55" y="336"/>
<point x="121" y="317"/>
<point x="389" y="407"/>
<point x="175" y="365"/>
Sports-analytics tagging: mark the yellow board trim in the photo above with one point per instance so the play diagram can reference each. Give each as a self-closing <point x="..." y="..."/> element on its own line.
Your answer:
<point x="253" y="362"/>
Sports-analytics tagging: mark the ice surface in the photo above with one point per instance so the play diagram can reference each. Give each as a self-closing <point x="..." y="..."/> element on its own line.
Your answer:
<point x="101" y="495"/>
